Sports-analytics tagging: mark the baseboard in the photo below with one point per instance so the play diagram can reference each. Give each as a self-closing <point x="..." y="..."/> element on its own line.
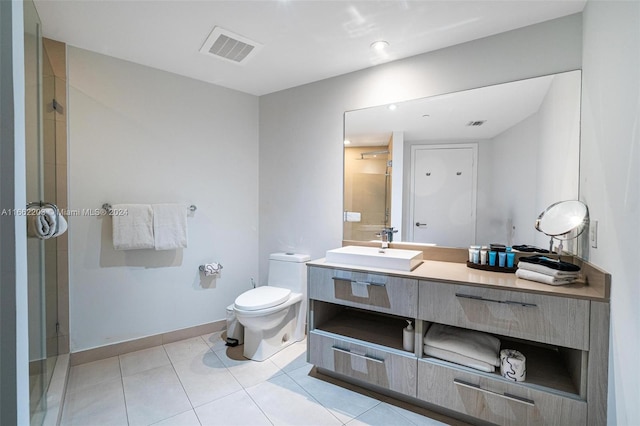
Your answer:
<point x="108" y="351"/>
<point x="56" y="391"/>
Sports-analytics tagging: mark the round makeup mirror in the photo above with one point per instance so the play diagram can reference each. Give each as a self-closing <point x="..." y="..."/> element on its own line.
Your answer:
<point x="563" y="221"/>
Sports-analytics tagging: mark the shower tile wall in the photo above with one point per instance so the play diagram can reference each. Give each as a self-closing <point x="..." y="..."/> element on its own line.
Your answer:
<point x="55" y="188"/>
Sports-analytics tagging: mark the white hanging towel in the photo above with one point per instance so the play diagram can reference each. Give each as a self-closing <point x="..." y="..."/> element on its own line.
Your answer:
<point x="170" y="226"/>
<point x="42" y="224"/>
<point x="133" y="230"/>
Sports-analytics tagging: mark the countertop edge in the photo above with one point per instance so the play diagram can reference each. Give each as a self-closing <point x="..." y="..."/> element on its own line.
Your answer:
<point x="594" y="287"/>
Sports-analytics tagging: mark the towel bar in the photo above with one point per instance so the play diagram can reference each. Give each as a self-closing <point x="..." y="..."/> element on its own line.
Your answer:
<point x="108" y="208"/>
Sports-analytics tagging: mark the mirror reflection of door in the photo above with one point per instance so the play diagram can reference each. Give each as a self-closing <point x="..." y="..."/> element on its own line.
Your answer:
<point x="443" y="195"/>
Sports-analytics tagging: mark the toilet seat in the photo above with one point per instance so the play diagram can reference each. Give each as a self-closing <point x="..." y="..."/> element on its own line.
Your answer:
<point x="261" y="298"/>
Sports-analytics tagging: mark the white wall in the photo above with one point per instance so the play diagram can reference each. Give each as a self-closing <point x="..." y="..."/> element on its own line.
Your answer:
<point x="559" y="146"/>
<point x="301" y="129"/>
<point x="610" y="182"/>
<point x="513" y="179"/>
<point x="139" y="135"/>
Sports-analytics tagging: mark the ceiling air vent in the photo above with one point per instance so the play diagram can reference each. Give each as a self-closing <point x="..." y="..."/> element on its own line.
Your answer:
<point x="476" y="123"/>
<point x="232" y="47"/>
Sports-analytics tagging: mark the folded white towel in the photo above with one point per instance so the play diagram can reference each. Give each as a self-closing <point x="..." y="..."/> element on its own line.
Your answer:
<point x="473" y="344"/>
<point x="133" y="230"/>
<point x="547" y="271"/>
<point x="458" y="359"/>
<point x="45" y="223"/>
<point x="170" y="226"/>
<point x="543" y="278"/>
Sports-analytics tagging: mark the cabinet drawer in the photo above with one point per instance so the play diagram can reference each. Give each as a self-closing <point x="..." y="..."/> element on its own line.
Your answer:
<point x="374" y="292"/>
<point x="495" y="400"/>
<point x="555" y="320"/>
<point x="359" y="361"/>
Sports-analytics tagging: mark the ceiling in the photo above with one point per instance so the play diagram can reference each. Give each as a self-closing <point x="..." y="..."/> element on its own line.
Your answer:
<point x="492" y="110"/>
<point x="301" y="41"/>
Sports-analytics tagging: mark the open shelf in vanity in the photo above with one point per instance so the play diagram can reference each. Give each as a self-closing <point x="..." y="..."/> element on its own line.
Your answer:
<point x="549" y="368"/>
<point x="369" y="327"/>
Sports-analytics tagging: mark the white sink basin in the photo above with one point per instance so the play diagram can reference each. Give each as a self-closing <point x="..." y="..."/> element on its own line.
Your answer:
<point x="375" y="257"/>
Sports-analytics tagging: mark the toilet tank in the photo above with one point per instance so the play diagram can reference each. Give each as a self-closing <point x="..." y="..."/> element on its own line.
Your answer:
<point x="288" y="270"/>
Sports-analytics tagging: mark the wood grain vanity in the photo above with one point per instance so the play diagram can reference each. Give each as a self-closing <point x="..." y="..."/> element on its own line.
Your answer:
<point x="357" y="314"/>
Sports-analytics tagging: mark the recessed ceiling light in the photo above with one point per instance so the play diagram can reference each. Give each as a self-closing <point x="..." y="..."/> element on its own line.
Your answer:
<point x="379" y="45"/>
<point x="392" y="107"/>
<point x="347" y="141"/>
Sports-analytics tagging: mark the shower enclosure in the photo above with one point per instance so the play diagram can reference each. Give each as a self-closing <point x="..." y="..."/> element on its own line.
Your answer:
<point x="40" y="150"/>
<point x="367" y="192"/>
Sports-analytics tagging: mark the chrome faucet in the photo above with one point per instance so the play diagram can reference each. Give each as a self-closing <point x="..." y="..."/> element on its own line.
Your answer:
<point x="386" y="236"/>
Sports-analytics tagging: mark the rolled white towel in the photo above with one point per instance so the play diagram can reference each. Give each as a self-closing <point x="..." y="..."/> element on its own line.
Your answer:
<point x="46" y="223"/>
<point x="526" y="274"/>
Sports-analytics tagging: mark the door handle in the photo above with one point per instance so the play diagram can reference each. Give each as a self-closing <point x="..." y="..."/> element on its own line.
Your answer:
<point x="504" y="395"/>
<point x="418" y="224"/>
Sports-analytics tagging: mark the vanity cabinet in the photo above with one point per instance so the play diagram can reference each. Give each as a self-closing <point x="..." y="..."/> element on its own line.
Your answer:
<point x="356" y="318"/>
<point x="548" y="319"/>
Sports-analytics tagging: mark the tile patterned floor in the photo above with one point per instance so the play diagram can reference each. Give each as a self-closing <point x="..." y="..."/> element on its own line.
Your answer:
<point x="200" y="382"/>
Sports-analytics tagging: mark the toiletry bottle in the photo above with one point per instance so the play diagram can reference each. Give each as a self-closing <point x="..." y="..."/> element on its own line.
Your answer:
<point x="492" y="258"/>
<point x="483" y="255"/>
<point x="408" y="337"/>
<point x="502" y="257"/>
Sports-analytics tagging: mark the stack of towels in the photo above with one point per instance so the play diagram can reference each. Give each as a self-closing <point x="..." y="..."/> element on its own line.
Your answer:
<point x="548" y="271"/>
<point x="466" y="347"/>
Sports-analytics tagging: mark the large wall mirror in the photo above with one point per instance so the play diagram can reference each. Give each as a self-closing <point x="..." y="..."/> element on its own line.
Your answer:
<point x="471" y="167"/>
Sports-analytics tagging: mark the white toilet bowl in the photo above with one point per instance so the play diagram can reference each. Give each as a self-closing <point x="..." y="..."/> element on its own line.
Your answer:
<point x="274" y="316"/>
<point x="271" y="317"/>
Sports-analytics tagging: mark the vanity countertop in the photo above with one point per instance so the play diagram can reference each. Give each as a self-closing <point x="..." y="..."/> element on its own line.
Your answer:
<point x="594" y="286"/>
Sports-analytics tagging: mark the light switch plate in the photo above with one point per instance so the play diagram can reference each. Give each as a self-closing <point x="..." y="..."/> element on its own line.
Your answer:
<point x="593" y="233"/>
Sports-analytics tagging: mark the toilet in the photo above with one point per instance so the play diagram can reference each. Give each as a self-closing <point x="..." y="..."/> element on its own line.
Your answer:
<point x="274" y="315"/>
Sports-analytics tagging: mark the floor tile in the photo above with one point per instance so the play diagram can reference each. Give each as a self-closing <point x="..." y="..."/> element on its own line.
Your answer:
<point x="154" y="395"/>
<point x="343" y="403"/>
<point x="215" y="340"/>
<point x="247" y="372"/>
<point x="89" y="374"/>
<point x="188" y="418"/>
<point x="205" y="378"/>
<point x="162" y="385"/>
<point x="381" y="415"/>
<point x="146" y="359"/>
<point x="291" y="357"/>
<point x="286" y="403"/>
<point x="414" y="414"/>
<point x="186" y="349"/>
<point x="237" y="409"/>
<point x="99" y="404"/>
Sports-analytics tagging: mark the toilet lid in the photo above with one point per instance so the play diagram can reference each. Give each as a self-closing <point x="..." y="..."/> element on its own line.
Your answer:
<point x="261" y="298"/>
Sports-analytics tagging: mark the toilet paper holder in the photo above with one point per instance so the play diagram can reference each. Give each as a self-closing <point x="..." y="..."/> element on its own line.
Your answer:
<point x="210" y="268"/>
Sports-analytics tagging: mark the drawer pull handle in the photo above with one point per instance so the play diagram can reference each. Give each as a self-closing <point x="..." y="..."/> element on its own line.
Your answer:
<point x="347" y="351"/>
<point x="505" y="395"/>
<point x="506" y="302"/>
<point x="367" y="283"/>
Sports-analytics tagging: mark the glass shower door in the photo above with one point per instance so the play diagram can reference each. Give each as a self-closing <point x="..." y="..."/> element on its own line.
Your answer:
<point x="41" y="254"/>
